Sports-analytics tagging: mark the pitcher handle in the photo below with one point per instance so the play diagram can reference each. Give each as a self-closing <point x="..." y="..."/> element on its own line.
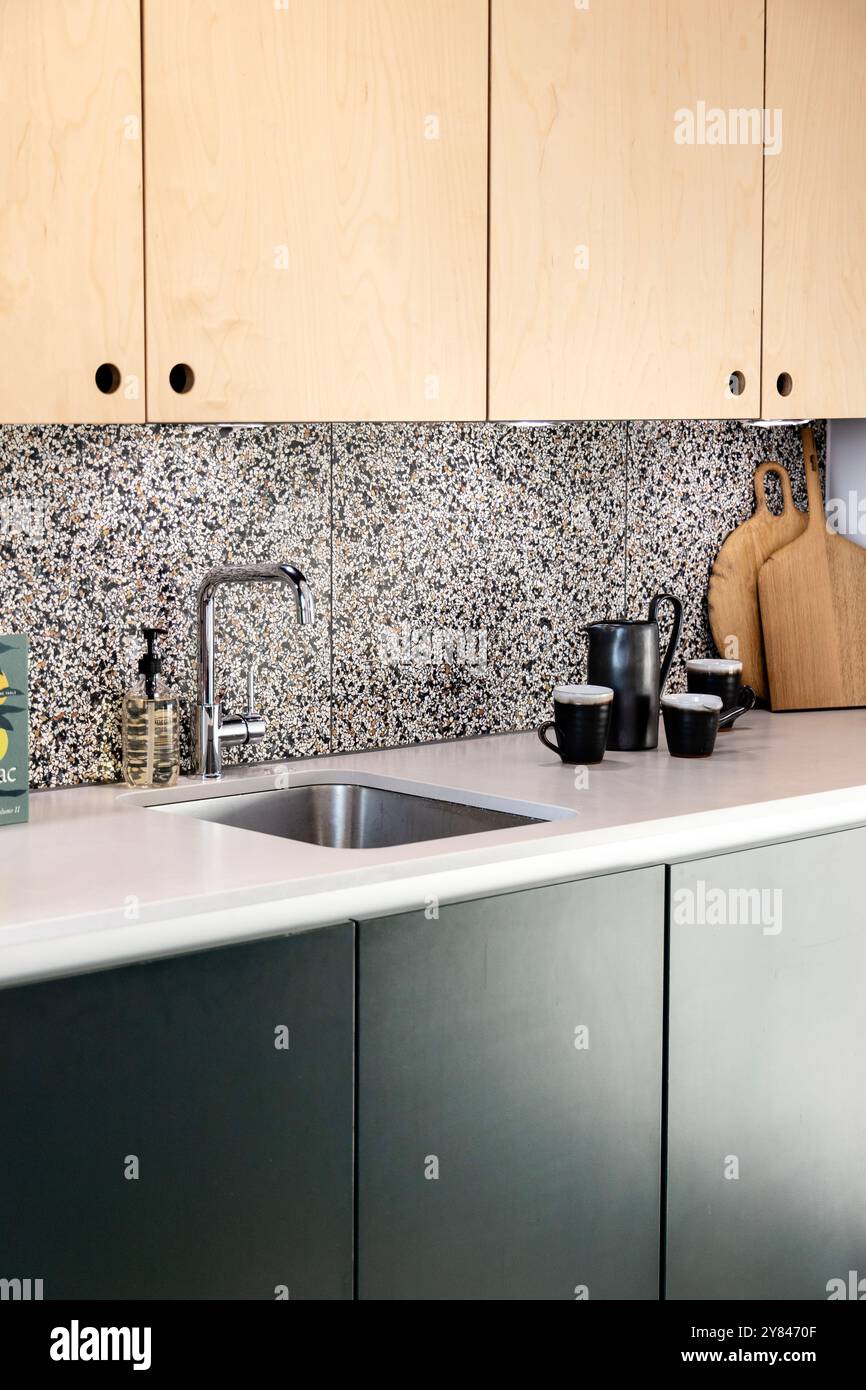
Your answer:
<point x="676" y="633"/>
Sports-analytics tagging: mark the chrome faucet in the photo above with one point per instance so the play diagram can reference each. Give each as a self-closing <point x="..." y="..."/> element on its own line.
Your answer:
<point x="212" y="727"/>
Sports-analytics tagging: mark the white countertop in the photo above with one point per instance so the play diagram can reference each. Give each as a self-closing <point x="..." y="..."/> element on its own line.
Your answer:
<point x="96" y="879"/>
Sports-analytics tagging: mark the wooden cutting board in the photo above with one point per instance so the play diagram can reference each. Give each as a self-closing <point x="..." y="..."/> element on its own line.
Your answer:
<point x="812" y="596"/>
<point x="732" y="596"/>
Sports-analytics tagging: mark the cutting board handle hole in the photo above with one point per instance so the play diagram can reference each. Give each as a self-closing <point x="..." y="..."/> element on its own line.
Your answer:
<point x="784" y="383"/>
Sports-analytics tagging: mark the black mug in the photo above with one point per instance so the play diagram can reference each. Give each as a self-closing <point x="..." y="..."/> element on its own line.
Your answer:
<point x="721" y="676"/>
<point x="691" y="724"/>
<point x="581" y="719"/>
<point x="625" y="656"/>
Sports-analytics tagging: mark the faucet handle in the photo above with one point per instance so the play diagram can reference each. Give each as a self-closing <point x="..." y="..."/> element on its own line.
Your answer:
<point x="254" y="723"/>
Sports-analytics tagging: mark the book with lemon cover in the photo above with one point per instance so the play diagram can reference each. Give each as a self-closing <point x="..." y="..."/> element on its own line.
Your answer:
<point x="14" y="769"/>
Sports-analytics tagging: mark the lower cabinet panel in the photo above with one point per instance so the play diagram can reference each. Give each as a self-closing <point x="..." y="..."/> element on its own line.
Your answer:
<point x="503" y="1151"/>
<point x="156" y="1143"/>
<point x="243" y="1150"/>
<point x="767" y="1103"/>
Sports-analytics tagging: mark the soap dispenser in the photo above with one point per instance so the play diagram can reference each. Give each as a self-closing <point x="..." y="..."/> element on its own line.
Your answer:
<point x="151" y="724"/>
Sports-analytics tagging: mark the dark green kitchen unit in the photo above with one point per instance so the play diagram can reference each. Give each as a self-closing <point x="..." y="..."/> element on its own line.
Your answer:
<point x="766" y="1190"/>
<point x="182" y="1129"/>
<point x="509" y="1122"/>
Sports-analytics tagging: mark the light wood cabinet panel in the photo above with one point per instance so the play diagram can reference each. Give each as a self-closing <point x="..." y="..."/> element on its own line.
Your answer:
<point x="815" y="210"/>
<point x="316" y="196"/>
<point x="625" y="266"/>
<point x="71" y="253"/>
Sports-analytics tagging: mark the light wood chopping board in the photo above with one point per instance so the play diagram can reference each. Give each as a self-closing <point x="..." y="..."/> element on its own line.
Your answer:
<point x="732" y="596"/>
<point x="812" y="596"/>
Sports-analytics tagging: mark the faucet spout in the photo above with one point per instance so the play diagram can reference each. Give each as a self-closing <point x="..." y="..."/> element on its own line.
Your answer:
<point x="304" y="602"/>
<point x="212" y="727"/>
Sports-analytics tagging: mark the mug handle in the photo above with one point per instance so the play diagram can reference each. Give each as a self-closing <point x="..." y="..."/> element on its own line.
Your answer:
<point x="542" y="732"/>
<point x="747" y="698"/>
<point x="676" y="634"/>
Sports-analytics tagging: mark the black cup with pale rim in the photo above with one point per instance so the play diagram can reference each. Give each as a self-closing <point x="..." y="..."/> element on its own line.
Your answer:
<point x="691" y="724"/>
<point x="715" y="676"/>
<point x="580" y="724"/>
<point x="721" y="676"/>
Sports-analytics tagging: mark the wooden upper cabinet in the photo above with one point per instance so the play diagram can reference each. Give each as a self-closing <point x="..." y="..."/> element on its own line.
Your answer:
<point x="815" y="210"/>
<point x="71" y="254"/>
<point x="625" y="246"/>
<point x="316" y="205"/>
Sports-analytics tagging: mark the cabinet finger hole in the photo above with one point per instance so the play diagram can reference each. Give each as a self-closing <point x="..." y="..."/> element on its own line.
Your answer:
<point x="784" y="383"/>
<point x="736" y="383"/>
<point x="107" y="378"/>
<point x="181" y="378"/>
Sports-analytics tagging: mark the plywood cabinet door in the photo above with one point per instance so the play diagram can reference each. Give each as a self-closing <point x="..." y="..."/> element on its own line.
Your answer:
<point x="71" y="253"/>
<point x="316" y="190"/>
<point x="626" y="206"/>
<point x="815" y="211"/>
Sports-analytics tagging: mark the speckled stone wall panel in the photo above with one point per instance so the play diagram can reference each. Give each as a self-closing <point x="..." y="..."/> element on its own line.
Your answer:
<point x="105" y="529"/>
<point x="689" y="484"/>
<point x="467" y="560"/>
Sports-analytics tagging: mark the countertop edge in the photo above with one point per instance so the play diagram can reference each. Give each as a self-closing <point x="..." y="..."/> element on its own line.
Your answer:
<point x="67" y="946"/>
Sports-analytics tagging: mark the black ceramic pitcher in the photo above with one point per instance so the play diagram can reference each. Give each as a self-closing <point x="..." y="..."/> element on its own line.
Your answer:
<point x="625" y="656"/>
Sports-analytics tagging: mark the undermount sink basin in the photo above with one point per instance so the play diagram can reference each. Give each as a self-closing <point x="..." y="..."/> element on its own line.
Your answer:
<point x="345" y="815"/>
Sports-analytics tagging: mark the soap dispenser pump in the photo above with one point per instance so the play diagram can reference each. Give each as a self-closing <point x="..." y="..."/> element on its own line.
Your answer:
<point x="151" y="723"/>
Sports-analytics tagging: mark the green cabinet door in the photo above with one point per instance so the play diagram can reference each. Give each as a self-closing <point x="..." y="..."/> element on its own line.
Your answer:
<point x="183" y="1128"/>
<point x="766" y="1192"/>
<point x="509" y="1103"/>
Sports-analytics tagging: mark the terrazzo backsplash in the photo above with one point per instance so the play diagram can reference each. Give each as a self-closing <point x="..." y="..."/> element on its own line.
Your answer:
<point x="454" y="567"/>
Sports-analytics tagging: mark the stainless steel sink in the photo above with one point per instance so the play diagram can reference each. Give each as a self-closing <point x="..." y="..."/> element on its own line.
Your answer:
<point x="346" y="815"/>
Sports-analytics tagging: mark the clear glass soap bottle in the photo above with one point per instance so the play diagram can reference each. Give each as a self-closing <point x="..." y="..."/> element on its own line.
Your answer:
<point x="151" y="724"/>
